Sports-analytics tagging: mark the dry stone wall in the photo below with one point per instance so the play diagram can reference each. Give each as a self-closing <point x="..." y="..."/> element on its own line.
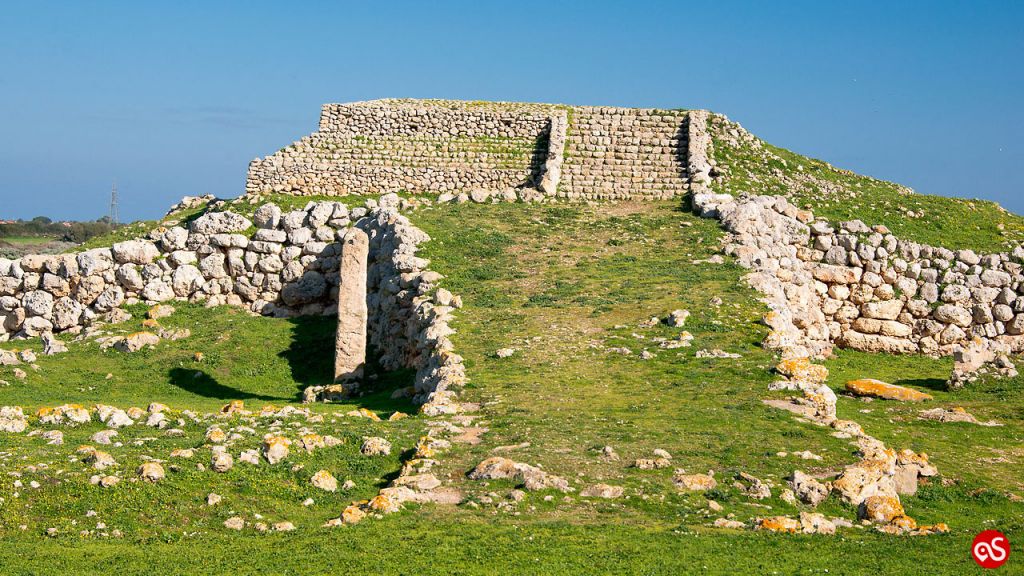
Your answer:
<point x="288" y="266"/>
<point x="863" y="288"/>
<point x="625" y="153"/>
<point x="456" y="147"/>
<point x="390" y="146"/>
<point x="410" y="314"/>
<point x="859" y="286"/>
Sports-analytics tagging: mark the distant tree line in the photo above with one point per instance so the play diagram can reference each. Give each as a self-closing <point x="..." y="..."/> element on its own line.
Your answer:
<point x="44" y="227"/>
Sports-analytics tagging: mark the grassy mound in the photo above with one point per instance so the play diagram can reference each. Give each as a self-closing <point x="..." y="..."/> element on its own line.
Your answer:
<point x="753" y="166"/>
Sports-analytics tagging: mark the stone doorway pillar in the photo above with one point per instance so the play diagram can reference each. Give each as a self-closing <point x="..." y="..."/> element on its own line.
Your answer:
<point x="350" y="343"/>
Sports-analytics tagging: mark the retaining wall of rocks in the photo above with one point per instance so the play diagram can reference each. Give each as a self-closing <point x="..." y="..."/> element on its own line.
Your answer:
<point x="386" y="146"/>
<point x="433" y="146"/>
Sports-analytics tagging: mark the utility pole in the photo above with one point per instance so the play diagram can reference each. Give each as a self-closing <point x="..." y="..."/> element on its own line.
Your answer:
<point x="113" y="204"/>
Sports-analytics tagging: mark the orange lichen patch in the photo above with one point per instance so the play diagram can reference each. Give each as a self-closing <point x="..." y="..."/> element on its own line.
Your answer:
<point x="696" y="482"/>
<point x="352" y="514"/>
<point x="879" y="389"/>
<point x="276" y="440"/>
<point x="311" y="442"/>
<point x="423" y="448"/>
<point x="233" y="407"/>
<point x="363" y="413"/>
<point x="383" y="504"/>
<point x="216" y="435"/>
<point x="802" y="369"/>
<point x="268" y="410"/>
<point x="397" y="416"/>
<point x="780" y="524"/>
<point x="940" y="528"/>
<point x="904" y="522"/>
<point x="44" y="411"/>
<point x="908" y="456"/>
<point x="150" y="323"/>
<point x="882" y="509"/>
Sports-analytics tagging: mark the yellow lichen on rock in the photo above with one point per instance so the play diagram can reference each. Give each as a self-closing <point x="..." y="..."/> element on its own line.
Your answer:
<point x="382" y="504"/>
<point x="878" y="389"/>
<point x="802" y="369"/>
<point x="352" y="514"/>
<point x="694" y="482"/>
<point x="780" y="524"/>
<point x="882" y="509"/>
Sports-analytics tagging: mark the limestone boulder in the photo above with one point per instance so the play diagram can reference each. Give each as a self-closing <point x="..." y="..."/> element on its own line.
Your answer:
<point x="134" y="252"/>
<point x="878" y="389"/>
<point x="220" y="223"/>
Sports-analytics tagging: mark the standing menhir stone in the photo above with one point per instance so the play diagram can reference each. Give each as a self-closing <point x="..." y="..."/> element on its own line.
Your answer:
<point x="350" y="347"/>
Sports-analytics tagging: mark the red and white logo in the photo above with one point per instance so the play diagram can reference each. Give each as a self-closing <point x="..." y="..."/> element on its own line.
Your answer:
<point x="990" y="549"/>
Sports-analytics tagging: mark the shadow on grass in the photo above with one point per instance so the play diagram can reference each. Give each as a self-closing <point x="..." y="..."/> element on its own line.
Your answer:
<point x="311" y="359"/>
<point x="202" y="384"/>
<point x="929" y="383"/>
<point x="311" y="352"/>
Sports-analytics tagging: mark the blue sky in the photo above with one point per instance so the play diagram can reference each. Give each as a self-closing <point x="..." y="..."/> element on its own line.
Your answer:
<point x="175" y="98"/>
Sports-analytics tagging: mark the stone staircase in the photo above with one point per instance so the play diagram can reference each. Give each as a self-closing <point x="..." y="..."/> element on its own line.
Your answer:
<point x="619" y="153"/>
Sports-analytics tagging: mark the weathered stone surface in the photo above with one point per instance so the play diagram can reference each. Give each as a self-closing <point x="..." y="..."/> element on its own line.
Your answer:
<point x="807" y="489"/>
<point x="350" y="346"/>
<point x="694" y="482"/>
<point x="134" y="252"/>
<point x="220" y="223"/>
<point x="879" y="389"/>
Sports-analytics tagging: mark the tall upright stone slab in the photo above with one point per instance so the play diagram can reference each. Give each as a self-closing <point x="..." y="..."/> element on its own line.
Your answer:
<point x="350" y="344"/>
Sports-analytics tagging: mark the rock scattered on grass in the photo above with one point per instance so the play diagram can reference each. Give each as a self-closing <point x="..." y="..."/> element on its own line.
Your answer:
<point x="324" y="480"/>
<point x="677" y="319"/>
<point x="375" y="446"/>
<point x="151" y="471"/>
<point x="602" y="491"/>
<point x="694" y="482"/>
<point x="956" y="414"/>
<point x="870" y="387"/>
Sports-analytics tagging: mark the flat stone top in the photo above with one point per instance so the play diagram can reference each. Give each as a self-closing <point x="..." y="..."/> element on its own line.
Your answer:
<point x="487" y="106"/>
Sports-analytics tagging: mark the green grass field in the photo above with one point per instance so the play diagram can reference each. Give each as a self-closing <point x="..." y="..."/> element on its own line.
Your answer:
<point x="563" y="285"/>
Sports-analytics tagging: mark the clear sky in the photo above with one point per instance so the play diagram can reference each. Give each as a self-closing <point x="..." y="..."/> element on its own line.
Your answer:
<point x="175" y="98"/>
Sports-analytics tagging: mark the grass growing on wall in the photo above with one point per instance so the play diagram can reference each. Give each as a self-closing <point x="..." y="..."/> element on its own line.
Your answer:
<point x="839" y="195"/>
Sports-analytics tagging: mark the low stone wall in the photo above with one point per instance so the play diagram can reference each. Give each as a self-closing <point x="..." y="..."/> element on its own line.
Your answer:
<point x="409" y="314"/>
<point x="288" y="266"/>
<point x="863" y="288"/>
